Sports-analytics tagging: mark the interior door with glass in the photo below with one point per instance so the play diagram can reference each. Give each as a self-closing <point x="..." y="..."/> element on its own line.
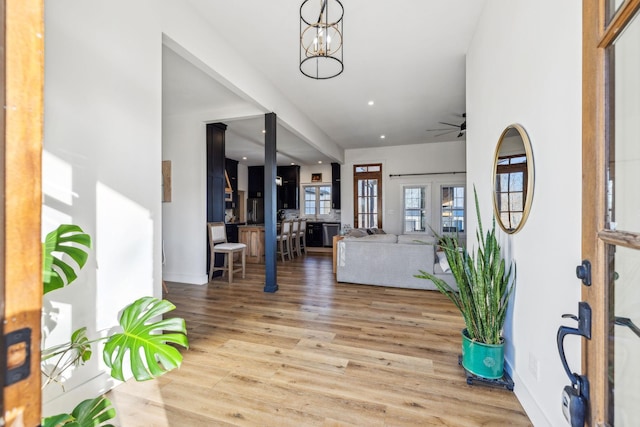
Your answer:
<point x="611" y="207"/>
<point x="367" y="193"/>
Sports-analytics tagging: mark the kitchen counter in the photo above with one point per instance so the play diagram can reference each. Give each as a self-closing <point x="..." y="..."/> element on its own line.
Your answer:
<point x="252" y="235"/>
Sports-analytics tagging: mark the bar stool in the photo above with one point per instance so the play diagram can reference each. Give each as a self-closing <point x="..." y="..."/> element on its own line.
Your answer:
<point x="219" y="245"/>
<point x="284" y="239"/>
<point x="294" y="237"/>
<point x="302" y="236"/>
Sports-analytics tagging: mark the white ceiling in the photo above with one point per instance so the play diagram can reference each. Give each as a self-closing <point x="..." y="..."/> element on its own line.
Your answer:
<point x="409" y="59"/>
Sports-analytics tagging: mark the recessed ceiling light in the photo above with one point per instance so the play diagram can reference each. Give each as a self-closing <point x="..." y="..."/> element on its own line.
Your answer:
<point x="319" y="162"/>
<point x="264" y="131"/>
<point x="244" y="157"/>
<point x="382" y="137"/>
<point x="292" y="163"/>
<point x="370" y="102"/>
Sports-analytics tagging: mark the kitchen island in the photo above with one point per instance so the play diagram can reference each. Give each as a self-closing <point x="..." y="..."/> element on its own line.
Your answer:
<point x="252" y="235"/>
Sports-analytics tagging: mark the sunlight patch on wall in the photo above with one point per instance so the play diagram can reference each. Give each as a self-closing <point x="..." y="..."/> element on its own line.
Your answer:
<point x="124" y="253"/>
<point x="57" y="187"/>
<point x="59" y="178"/>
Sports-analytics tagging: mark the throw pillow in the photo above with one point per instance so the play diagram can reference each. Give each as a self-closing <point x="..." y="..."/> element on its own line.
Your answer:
<point x="442" y="260"/>
<point x="357" y="232"/>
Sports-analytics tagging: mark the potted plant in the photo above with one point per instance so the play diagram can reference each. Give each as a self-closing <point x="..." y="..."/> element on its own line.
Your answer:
<point x="484" y="285"/>
<point x="145" y="344"/>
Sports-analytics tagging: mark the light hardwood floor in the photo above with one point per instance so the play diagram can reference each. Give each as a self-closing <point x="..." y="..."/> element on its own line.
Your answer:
<point x="316" y="353"/>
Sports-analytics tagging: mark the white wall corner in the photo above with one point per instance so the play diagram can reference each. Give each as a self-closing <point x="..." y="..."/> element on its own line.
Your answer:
<point x="526" y="399"/>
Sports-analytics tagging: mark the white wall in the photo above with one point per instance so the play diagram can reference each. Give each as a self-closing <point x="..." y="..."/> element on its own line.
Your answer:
<point x="102" y="167"/>
<point x="524" y="66"/>
<point x="405" y="159"/>
<point x="307" y="170"/>
<point x="184" y="218"/>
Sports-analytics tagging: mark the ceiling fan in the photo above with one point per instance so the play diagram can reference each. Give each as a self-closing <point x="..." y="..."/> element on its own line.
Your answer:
<point x="461" y="128"/>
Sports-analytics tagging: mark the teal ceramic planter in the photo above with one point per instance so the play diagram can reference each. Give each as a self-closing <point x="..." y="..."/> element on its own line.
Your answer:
<point x="483" y="360"/>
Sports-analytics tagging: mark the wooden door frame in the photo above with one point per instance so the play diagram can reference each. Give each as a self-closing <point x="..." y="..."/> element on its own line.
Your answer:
<point x="596" y="108"/>
<point x="367" y="175"/>
<point x="21" y="131"/>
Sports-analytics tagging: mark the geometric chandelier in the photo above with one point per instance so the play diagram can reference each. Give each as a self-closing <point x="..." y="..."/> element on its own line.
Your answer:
<point x="321" y="38"/>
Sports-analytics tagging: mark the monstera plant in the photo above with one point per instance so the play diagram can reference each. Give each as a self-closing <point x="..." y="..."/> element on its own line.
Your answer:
<point x="148" y="345"/>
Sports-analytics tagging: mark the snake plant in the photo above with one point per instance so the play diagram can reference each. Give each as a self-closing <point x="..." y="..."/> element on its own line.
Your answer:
<point x="484" y="282"/>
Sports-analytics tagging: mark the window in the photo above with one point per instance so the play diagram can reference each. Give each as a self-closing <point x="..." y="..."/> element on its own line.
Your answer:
<point x="317" y="199"/>
<point x="414" y="208"/>
<point x="452" y="209"/>
<point x="367" y="193"/>
<point x="511" y="189"/>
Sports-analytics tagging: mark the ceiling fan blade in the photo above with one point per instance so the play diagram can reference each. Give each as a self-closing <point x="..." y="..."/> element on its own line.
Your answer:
<point x="450" y="124"/>
<point x="444" y="133"/>
<point x="435" y="130"/>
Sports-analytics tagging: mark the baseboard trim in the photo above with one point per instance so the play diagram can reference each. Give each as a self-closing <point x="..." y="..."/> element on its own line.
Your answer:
<point x="318" y="249"/>
<point x="531" y="407"/>
<point x="185" y="278"/>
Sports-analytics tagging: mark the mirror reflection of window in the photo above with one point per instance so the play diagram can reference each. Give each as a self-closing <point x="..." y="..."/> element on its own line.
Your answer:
<point x="511" y="189"/>
<point x="452" y="209"/>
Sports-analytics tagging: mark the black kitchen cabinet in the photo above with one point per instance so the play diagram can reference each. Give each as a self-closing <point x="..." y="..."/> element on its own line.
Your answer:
<point x="314" y="234"/>
<point x="231" y="167"/>
<point x="256" y="181"/>
<point x="215" y="140"/>
<point x="288" y="192"/>
<point x="335" y="185"/>
<point x="232" y="233"/>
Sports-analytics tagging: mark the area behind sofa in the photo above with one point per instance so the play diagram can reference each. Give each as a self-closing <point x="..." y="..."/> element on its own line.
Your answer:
<point x="389" y="260"/>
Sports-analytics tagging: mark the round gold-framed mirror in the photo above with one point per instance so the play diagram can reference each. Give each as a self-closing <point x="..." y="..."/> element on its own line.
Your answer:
<point x="513" y="177"/>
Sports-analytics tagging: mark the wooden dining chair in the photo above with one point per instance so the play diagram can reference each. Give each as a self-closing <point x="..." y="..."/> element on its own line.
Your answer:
<point x="219" y="245"/>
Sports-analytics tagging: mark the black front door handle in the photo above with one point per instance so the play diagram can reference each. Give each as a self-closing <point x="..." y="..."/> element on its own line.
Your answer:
<point x="583" y="329"/>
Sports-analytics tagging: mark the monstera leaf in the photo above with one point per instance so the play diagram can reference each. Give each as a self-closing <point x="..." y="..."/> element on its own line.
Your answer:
<point x="66" y="239"/>
<point x="88" y="413"/>
<point x="142" y="337"/>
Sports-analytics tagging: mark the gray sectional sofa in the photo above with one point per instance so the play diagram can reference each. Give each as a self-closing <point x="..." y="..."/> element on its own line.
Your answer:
<point x="389" y="260"/>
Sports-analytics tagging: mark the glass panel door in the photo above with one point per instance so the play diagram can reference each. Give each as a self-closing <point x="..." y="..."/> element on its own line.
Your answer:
<point x="452" y="202"/>
<point x="415" y="214"/>
<point x="624" y="338"/>
<point x="611" y="207"/>
<point x="624" y="216"/>
<point x="367" y="193"/>
<point x="367" y="203"/>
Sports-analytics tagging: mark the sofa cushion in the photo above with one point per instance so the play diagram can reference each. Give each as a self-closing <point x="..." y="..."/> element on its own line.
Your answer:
<point x="377" y="238"/>
<point x="416" y="239"/>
